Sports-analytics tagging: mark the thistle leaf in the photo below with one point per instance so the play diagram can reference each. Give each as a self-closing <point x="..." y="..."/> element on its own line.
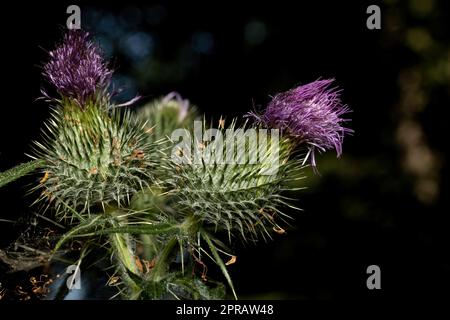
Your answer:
<point x="219" y="262"/>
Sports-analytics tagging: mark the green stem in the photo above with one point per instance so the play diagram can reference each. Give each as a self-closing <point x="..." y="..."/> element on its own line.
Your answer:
<point x="149" y="245"/>
<point x="135" y="290"/>
<point x="121" y="246"/>
<point x="18" y="171"/>
<point x="162" y="262"/>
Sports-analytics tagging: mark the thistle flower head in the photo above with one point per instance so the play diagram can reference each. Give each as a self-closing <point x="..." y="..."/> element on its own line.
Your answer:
<point x="236" y="194"/>
<point x="94" y="157"/>
<point x="76" y="68"/>
<point x="166" y="114"/>
<point x="311" y="114"/>
<point x="174" y="100"/>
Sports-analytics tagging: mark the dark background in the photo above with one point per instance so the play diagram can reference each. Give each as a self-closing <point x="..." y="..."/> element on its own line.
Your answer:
<point x="385" y="202"/>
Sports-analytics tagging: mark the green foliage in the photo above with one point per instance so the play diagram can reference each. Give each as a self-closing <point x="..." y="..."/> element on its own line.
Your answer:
<point x="111" y="176"/>
<point x="182" y="287"/>
<point x="218" y="260"/>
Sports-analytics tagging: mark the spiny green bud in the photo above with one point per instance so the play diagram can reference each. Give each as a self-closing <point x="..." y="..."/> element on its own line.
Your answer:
<point x="234" y="183"/>
<point x="166" y="114"/>
<point x="94" y="157"/>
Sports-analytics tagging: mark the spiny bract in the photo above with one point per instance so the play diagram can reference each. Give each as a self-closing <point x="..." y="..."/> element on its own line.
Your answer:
<point x="94" y="156"/>
<point x="241" y="197"/>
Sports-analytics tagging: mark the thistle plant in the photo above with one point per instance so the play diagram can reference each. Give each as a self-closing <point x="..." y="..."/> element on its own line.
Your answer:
<point x="92" y="154"/>
<point x="161" y="212"/>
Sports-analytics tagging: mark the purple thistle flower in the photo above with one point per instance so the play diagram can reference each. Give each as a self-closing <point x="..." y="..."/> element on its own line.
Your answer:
<point x="311" y="114"/>
<point x="76" y="67"/>
<point x="183" y="104"/>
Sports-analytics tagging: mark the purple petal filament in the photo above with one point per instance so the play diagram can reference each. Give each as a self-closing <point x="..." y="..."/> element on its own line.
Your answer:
<point x="311" y="114"/>
<point x="76" y="67"/>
